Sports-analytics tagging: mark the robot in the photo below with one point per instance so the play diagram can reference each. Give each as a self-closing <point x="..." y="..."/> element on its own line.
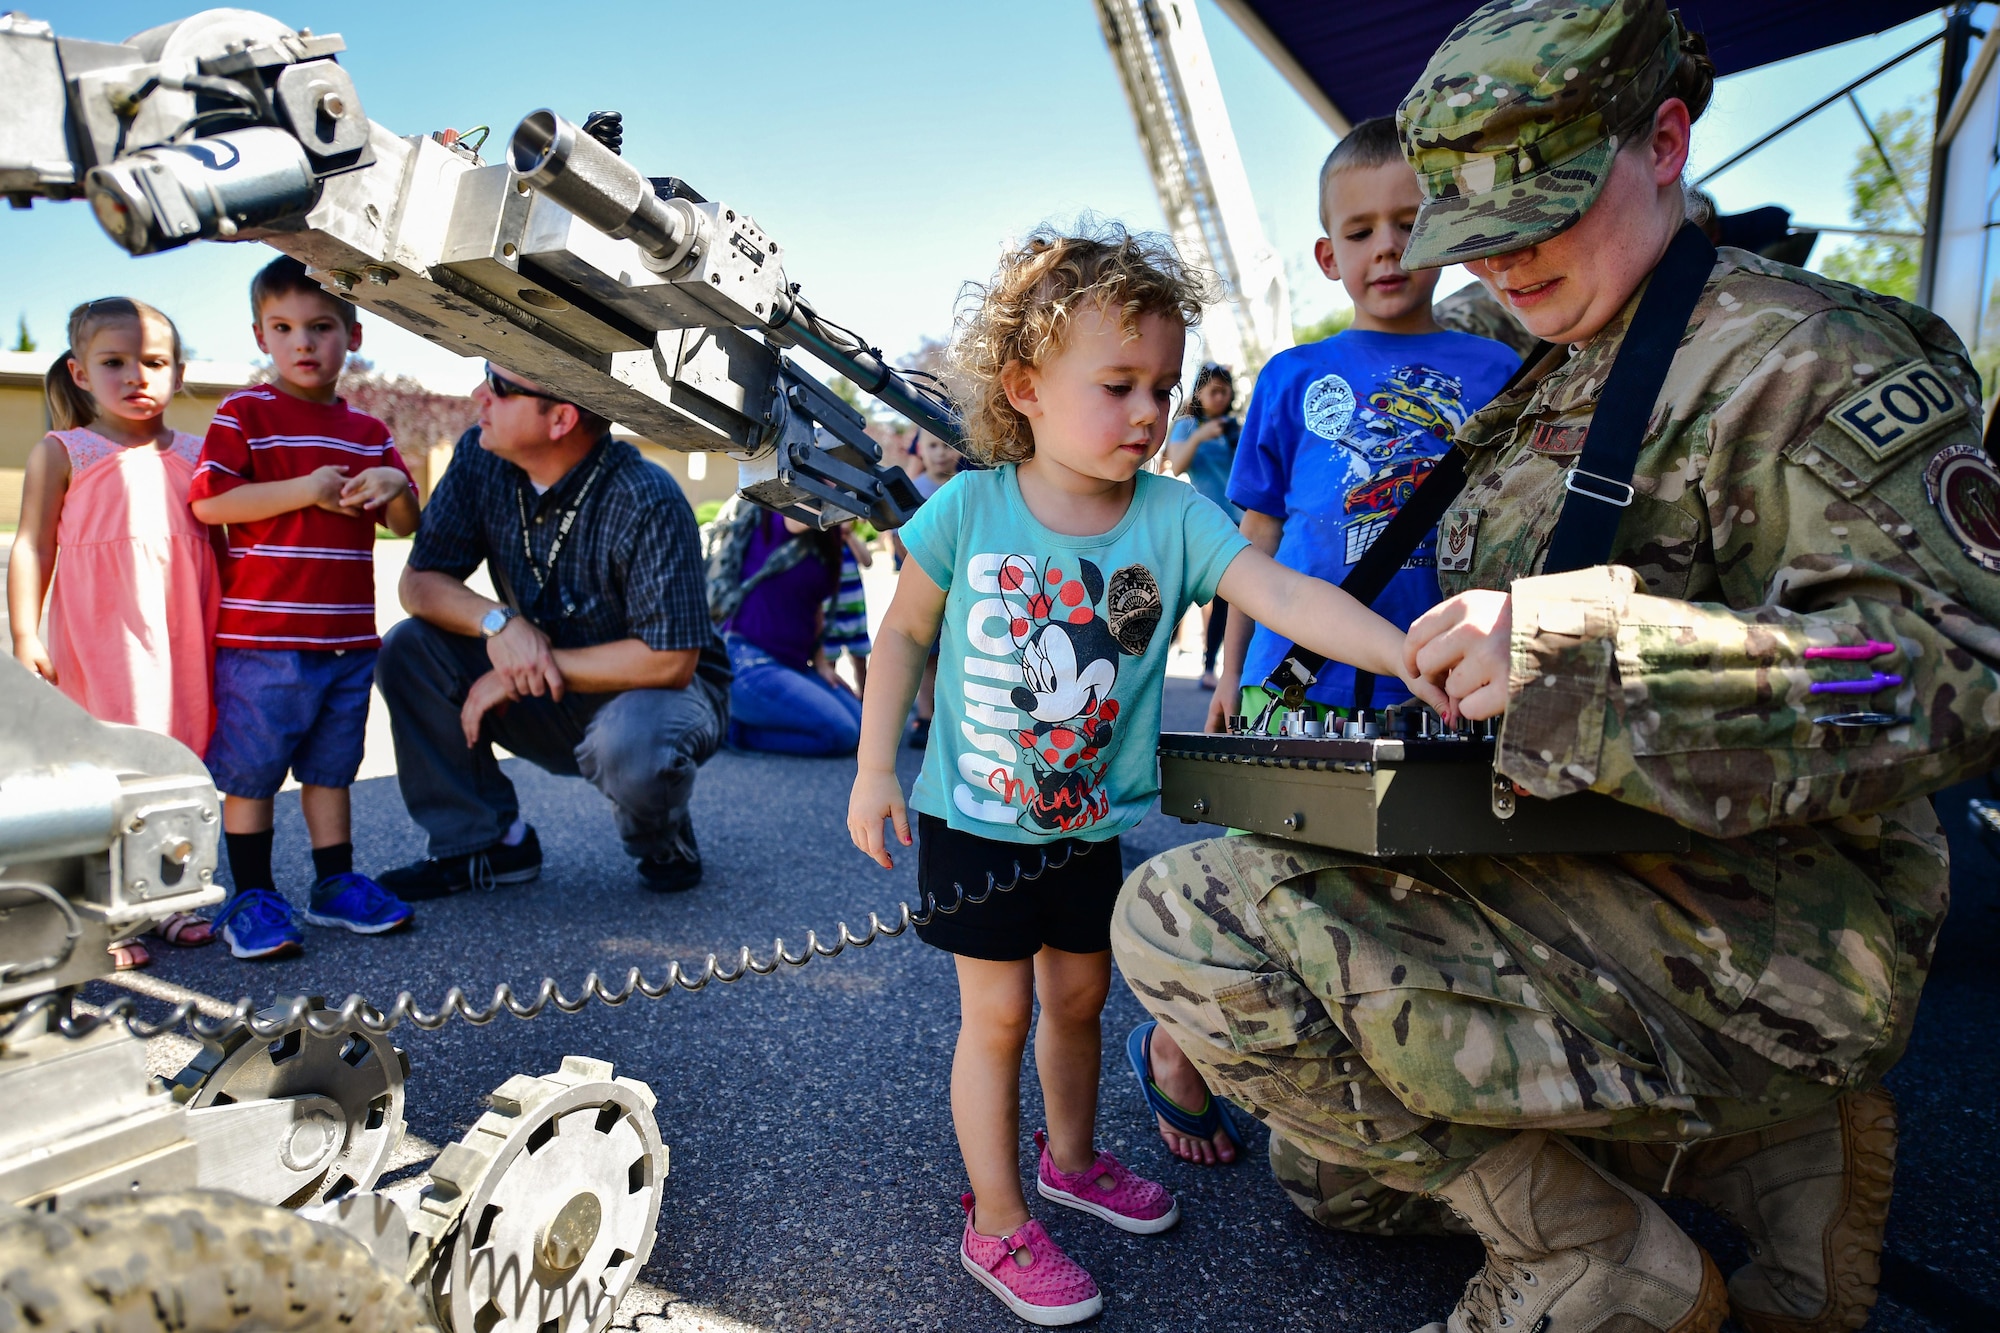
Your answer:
<point x="122" y="1199"/>
<point x="244" y="1192"/>
<point x="632" y="295"/>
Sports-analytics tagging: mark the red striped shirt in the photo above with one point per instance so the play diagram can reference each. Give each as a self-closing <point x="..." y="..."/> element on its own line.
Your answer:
<point x="303" y="580"/>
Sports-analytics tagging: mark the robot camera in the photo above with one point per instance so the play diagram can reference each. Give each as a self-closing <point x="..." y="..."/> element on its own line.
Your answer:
<point x="208" y="189"/>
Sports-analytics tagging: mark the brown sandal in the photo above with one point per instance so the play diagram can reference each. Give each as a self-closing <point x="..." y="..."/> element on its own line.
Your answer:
<point x="128" y="955"/>
<point x="185" y="930"/>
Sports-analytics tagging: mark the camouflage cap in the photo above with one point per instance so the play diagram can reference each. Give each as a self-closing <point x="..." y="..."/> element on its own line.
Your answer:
<point x="1513" y="125"/>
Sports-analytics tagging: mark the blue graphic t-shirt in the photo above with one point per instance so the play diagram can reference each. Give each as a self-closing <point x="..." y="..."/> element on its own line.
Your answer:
<point x="1053" y="653"/>
<point x="1338" y="435"/>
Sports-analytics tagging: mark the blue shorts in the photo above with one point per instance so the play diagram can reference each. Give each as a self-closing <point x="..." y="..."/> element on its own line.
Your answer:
<point x="279" y="711"/>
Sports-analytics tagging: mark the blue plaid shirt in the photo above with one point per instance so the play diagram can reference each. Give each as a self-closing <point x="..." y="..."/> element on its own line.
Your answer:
<point x="631" y="567"/>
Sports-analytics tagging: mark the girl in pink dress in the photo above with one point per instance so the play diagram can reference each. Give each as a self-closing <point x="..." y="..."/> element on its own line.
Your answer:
<point x="132" y="618"/>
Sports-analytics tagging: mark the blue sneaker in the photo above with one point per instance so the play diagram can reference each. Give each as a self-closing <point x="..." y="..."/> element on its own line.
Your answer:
<point x="357" y="903"/>
<point x="257" y="923"/>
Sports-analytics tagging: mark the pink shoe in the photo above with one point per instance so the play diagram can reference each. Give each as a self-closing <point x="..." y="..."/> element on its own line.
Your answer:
<point x="1049" y="1289"/>
<point x="1110" y="1190"/>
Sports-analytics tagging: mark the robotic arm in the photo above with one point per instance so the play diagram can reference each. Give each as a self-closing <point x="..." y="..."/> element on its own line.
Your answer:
<point x="631" y="295"/>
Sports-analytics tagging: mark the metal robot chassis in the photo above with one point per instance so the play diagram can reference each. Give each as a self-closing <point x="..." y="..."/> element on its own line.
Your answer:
<point x="539" y="1219"/>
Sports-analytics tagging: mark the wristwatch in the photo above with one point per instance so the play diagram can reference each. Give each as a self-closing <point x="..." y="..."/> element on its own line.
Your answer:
<point x="496" y="620"/>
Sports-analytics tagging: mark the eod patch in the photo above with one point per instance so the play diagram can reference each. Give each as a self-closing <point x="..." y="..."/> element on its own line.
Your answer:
<point x="1897" y="410"/>
<point x="1965" y="490"/>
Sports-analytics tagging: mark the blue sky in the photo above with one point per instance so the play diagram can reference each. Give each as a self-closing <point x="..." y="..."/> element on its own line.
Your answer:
<point x="889" y="147"/>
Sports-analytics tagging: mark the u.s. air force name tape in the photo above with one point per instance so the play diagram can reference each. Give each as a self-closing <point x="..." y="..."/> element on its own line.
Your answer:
<point x="1897" y="410"/>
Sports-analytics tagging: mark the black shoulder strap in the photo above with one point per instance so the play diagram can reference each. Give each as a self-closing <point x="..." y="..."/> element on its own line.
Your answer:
<point x="1603" y="472"/>
<point x="1385" y="555"/>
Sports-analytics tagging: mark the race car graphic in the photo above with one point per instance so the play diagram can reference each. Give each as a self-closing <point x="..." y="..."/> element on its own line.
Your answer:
<point x="1422" y="397"/>
<point x="1375" y="501"/>
<point x="1390" y="488"/>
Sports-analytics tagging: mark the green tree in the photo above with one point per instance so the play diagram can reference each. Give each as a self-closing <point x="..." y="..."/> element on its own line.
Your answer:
<point x="848" y="392"/>
<point x="1325" y="327"/>
<point x="1887" y="187"/>
<point x="24" y="341"/>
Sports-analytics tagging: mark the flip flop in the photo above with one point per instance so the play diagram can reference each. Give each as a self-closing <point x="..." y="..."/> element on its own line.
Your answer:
<point x="1214" y="1113"/>
<point x="185" y="930"/>
<point x="126" y="955"/>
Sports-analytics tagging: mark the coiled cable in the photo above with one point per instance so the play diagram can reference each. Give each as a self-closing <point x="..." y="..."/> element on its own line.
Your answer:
<point x="53" y="1010"/>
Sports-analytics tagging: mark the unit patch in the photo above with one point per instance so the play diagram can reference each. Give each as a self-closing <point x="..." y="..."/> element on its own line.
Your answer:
<point x="1328" y="407"/>
<point x="1559" y="441"/>
<point x="1897" y="410"/>
<point x="1458" y="532"/>
<point x="1966" y="491"/>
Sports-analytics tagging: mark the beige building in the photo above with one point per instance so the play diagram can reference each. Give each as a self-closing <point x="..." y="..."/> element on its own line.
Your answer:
<point x="24" y="419"/>
<point x="24" y="413"/>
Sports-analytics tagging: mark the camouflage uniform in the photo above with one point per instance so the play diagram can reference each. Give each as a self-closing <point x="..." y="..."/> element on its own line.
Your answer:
<point x="1811" y="477"/>
<point x="1472" y="309"/>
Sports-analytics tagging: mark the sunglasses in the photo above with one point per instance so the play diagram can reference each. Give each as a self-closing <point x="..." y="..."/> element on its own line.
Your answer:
<point x="502" y="387"/>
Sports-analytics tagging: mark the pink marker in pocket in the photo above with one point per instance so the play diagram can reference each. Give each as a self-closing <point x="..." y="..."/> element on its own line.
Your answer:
<point x="1850" y="652"/>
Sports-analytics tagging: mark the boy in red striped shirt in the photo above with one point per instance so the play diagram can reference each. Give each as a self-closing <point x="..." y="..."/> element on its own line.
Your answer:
<point x="300" y="479"/>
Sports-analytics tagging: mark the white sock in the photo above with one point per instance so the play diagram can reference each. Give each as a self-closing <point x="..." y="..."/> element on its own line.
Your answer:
<point x="515" y="833"/>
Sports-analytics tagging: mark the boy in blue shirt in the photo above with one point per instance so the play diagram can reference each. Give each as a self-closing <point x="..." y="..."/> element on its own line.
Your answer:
<point x="1340" y="432"/>
<point x="1338" y="435"/>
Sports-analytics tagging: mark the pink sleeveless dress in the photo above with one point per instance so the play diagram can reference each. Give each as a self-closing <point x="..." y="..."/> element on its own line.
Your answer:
<point x="132" y="609"/>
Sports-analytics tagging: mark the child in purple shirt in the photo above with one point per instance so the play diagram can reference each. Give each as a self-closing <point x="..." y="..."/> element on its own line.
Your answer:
<point x="785" y="698"/>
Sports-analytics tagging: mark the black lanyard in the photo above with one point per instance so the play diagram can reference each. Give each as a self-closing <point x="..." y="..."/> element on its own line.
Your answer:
<point x="563" y="525"/>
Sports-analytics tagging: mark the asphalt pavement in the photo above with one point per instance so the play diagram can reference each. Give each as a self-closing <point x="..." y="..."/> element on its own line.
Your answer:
<point x="814" y="1179"/>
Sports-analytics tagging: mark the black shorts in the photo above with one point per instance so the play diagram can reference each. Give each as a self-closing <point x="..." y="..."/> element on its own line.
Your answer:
<point x="1067" y="907"/>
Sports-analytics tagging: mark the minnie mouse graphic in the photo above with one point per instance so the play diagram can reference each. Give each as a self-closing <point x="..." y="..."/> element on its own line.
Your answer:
<point x="1068" y="651"/>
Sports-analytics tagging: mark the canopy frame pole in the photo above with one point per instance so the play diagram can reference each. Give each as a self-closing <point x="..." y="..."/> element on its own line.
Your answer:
<point x="1958" y="35"/>
<point x="1818" y="107"/>
<point x="1888" y="164"/>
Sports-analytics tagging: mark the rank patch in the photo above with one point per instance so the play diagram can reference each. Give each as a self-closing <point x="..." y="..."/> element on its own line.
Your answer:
<point x="1458" y="533"/>
<point x="1966" y="491"/>
<point x="1897" y="410"/>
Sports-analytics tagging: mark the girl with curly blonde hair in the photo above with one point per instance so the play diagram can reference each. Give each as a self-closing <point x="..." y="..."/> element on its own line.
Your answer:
<point x="1055" y="577"/>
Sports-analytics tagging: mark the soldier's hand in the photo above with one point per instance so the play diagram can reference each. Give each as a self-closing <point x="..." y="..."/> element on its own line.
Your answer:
<point x="1464" y="645"/>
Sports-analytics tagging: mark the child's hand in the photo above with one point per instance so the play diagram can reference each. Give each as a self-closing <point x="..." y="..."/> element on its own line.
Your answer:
<point x="30" y="653"/>
<point x="326" y="484"/>
<point x="373" y="488"/>
<point x="877" y="796"/>
<point x="1227" y="696"/>
<point x="1432" y="692"/>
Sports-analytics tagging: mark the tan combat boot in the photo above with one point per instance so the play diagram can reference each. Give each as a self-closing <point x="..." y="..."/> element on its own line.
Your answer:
<point x="1570" y="1249"/>
<point x="1811" y="1196"/>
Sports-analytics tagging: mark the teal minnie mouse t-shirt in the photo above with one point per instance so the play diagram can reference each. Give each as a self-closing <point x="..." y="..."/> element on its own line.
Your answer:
<point x="1053" y="653"/>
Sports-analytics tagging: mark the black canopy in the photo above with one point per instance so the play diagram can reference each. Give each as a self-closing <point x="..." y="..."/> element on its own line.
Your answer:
<point x="1352" y="60"/>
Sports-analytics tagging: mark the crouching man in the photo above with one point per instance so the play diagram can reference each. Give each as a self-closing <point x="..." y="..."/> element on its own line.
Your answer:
<point x="599" y="660"/>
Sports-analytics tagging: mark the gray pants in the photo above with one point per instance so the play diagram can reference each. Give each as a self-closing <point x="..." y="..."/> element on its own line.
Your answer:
<point x="640" y="747"/>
